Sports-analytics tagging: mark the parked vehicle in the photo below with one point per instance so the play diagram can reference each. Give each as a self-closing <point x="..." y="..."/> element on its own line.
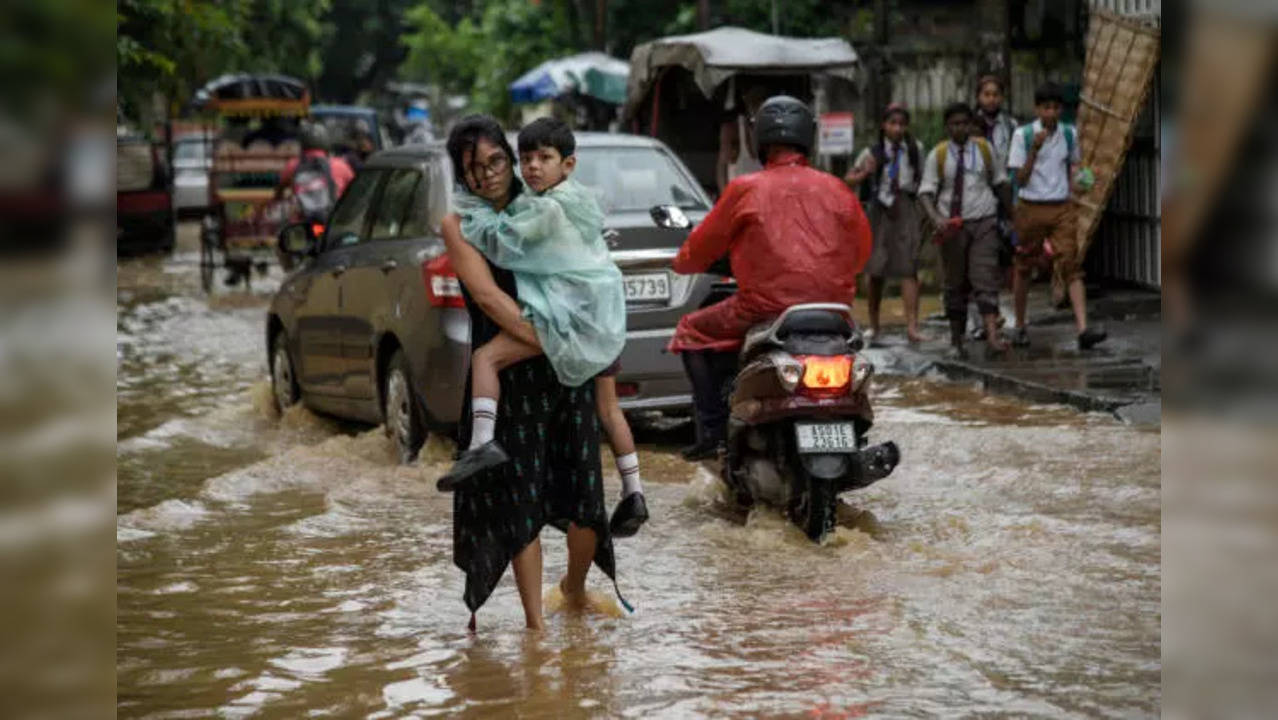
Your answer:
<point x="191" y="164"/>
<point x="371" y="325"/>
<point x="798" y="434"/>
<point x="343" y="123"/>
<point x="257" y="120"/>
<point x="143" y="201"/>
<point x="680" y="86"/>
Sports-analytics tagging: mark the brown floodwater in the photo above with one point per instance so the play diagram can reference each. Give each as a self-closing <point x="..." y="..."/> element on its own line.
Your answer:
<point x="285" y="567"/>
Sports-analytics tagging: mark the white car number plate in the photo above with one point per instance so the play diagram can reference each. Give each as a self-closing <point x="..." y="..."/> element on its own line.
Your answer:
<point x="826" y="437"/>
<point x="647" y="287"/>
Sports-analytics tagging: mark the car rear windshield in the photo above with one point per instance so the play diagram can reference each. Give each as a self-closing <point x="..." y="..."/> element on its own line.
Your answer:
<point x="189" y="151"/>
<point x="634" y="178"/>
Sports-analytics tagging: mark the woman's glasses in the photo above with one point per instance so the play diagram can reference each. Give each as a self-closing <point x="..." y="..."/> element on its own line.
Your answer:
<point x="495" y="166"/>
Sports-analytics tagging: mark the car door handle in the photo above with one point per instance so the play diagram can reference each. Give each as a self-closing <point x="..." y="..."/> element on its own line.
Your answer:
<point x="389" y="264"/>
<point x="338" y="270"/>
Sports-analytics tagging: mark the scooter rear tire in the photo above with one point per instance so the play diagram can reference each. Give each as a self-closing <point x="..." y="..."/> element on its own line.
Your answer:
<point x="815" y="509"/>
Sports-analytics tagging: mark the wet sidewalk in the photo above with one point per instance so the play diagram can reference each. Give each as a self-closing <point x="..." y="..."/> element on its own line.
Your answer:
<point x="1120" y="376"/>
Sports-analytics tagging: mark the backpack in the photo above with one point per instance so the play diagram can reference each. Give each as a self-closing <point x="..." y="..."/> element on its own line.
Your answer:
<point x="314" y="189"/>
<point x="869" y="189"/>
<point x="943" y="151"/>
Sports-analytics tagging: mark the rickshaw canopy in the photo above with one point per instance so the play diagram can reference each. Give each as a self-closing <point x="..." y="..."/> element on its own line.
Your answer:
<point x="250" y="95"/>
<point x="716" y="55"/>
<point x="594" y="74"/>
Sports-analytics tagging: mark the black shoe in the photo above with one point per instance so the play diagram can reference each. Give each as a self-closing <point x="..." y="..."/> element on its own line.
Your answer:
<point x="472" y="461"/>
<point x="702" y="450"/>
<point x="1091" y="337"/>
<point x="1020" y="337"/>
<point x="630" y="515"/>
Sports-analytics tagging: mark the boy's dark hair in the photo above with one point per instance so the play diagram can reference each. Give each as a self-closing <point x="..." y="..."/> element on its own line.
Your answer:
<point x="547" y="132"/>
<point x="466" y="135"/>
<point x="957" y="108"/>
<point x="1049" y="92"/>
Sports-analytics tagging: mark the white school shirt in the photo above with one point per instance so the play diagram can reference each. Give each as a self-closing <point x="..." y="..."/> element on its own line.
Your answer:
<point x="1049" y="180"/>
<point x="978" y="196"/>
<point x="905" y="172"/>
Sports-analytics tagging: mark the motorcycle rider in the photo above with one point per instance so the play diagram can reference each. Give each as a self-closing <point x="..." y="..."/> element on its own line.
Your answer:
<point x="792" y="235"/>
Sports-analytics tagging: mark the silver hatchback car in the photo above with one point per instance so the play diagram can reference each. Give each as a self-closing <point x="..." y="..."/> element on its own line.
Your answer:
<point x="371" y="325"/>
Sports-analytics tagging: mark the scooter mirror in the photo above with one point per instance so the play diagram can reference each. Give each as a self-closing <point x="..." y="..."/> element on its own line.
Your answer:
<point x="669" y="217"/>
<point x="856" y="342"/>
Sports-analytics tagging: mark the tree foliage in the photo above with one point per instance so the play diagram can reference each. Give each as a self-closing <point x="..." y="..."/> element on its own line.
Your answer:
<point x="481" y="52"/>
<point x="349" y="48"/>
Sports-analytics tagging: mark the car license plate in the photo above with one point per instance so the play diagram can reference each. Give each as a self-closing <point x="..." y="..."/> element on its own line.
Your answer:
<point x="826" y="437"/>
<point x="647" y="287"/>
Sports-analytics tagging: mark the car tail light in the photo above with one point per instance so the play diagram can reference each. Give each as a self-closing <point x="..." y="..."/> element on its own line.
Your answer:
<point x="317" y="230"/>
<point x="443" y="289"/>
<point x="627" y="389"/>
<point x="825" y="375"/>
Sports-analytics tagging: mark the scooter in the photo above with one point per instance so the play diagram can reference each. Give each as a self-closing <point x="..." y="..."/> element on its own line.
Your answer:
<point x="798" y="434"/>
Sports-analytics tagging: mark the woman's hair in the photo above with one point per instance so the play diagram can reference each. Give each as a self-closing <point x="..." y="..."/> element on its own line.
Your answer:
<point x="988" y="80"/>
<point x="911" y="147"/>
<point x="466" y="135"/>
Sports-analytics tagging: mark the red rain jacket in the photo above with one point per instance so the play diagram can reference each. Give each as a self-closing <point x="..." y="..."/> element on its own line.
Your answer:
<point x="794" y="235"/>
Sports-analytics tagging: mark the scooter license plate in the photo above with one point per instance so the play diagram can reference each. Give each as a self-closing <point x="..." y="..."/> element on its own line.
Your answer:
<point x="825" y="437"/>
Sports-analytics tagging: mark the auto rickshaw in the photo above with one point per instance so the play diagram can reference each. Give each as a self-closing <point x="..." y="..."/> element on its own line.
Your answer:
<point x="682" y="88"/>
<point x="258" y="122"/>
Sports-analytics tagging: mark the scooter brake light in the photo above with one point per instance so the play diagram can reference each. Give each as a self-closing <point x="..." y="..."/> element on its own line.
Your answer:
<point x="826" y="374"/>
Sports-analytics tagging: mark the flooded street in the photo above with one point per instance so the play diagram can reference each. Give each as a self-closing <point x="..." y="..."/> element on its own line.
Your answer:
<point x="285" y="567"/>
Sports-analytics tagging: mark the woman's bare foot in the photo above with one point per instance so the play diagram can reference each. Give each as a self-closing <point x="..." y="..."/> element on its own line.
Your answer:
<point x="913" y="335"/>
<point x="575" y="599"/>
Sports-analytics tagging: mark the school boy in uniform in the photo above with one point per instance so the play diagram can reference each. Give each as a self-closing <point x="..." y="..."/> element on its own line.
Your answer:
<point x="963" y="184"/>
<point x="1044" y="156"/>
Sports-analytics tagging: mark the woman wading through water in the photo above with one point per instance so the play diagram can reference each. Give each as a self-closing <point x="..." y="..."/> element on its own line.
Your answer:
<point x="548" y="429"/>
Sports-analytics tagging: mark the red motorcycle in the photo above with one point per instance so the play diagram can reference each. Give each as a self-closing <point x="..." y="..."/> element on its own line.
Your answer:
<point x="798" y="434"/>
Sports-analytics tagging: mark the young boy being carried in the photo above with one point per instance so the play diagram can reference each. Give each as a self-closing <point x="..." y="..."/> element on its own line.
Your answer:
<point x="570" y="292"/>
<point x="967" y="181"/>
<point x="1044" y="155"/>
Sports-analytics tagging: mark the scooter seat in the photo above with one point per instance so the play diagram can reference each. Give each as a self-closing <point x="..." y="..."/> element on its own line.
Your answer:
<point x="812" y="319"/>
<point x="814" y="322"/>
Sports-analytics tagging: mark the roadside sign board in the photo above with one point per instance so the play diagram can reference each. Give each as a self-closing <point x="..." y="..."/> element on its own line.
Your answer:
<point x="835" y="130"/>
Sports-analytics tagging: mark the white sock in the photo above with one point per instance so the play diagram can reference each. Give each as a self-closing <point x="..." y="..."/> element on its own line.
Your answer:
<point x="628" y="467"/>
<point x="483" y="414"/>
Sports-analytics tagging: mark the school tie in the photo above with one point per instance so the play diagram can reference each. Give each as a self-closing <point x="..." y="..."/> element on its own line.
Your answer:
<point x="894" y="170"/>
<point x="956" y="199"/>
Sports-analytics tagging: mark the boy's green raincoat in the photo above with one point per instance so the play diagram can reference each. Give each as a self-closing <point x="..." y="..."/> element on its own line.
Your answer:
<point x="568" y="286"/>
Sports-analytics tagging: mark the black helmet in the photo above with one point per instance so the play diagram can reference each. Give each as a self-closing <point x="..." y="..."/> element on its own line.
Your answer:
<point x="314" y="136"/>
<point x="783" y="120"/>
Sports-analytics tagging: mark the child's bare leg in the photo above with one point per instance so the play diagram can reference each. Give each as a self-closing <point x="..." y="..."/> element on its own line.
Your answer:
<point x="494" y="356"/>
<point x="612" y="418"/>
<point x="631" y="512"/>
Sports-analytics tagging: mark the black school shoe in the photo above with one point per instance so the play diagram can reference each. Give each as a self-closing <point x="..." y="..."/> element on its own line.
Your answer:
<point x="490" y="454"/>
<point x="1090" y="338"/>
<point x="630" y="515"/>
<point x="701" y="450"/>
